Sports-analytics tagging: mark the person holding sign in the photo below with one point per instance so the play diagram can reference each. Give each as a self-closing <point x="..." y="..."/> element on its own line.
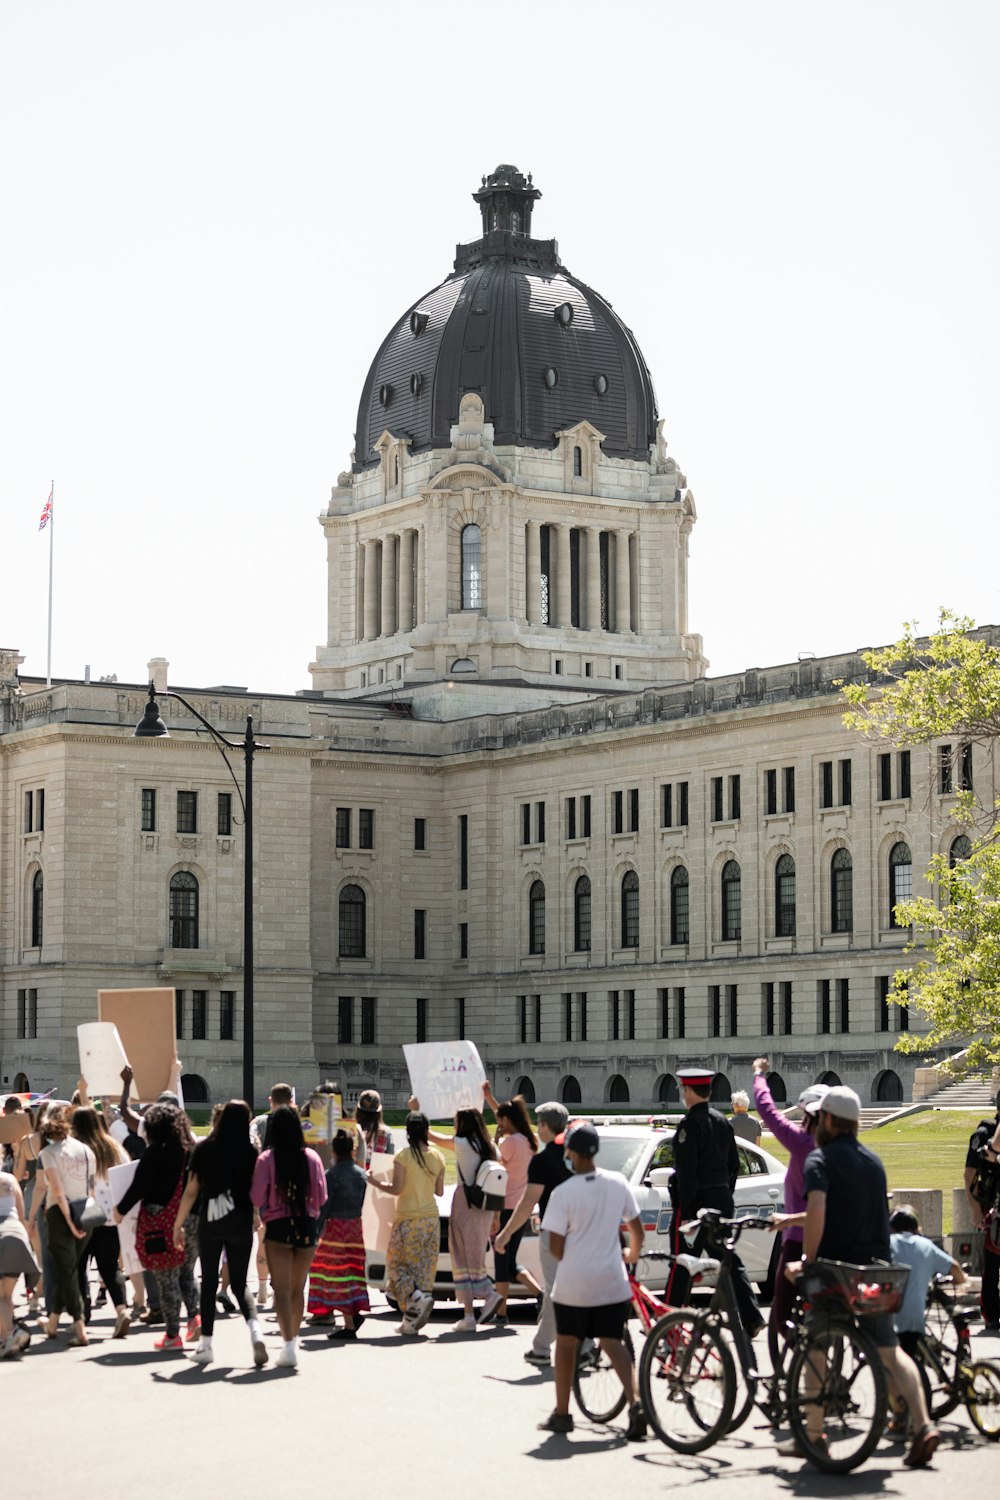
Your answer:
<point x="411" y="1259"/>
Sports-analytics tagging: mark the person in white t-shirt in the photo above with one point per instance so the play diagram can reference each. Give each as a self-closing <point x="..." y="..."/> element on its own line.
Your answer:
<point x="590" y="1294"/>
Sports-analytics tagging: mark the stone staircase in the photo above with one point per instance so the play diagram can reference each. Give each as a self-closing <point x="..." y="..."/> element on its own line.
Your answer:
<point x="877" y="1114"/>
<point x="975" y="1091"/>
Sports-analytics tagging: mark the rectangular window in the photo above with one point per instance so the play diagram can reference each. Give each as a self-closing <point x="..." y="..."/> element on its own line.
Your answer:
<point x="522" y="1018"/>
<point x="844" y="1004"/>
<point x="615" y="1026"/>
<point x="366" y="828"/>
<point x="680" y="1003"/>
<point x="789" y="776"/>
<point x="463" y="852"/>
<point x="734" y="798"/>
<point x="903" y="774"/>
<point x="633" y="809"/>
<point x="227" y="1015"/>
<point x="618" y="812"/>
<point x="770" y="792"/>
<point x="964" y="780"/>
<point x="539" y="822"/>
<point x="767" y="1008"/>
<point x="460" y="1017"/>
<point x="21" y="1013"/>
<point x="716" y="799"/>
<point x="682" y="804"/>
<point x="345" y="1020"/>
<point x="225" y="813"/>
<point x="945" y="772"/>
<point x="885" y="778"/>
<point x="179" y="1012"/>
<point x="421" y="1019"/>
<point x="538" y="1017"/>
<point x="420" y="833"/>
<point x="27" y="1014"/>
<point x="571" y="817"/>
<point x="732" y="1011"/>
<point x="845" y="783"/>
<point x="199" y="1015"/>
<point x="585" y="817"/>
<point x="666" y="806"/>
<point x="419" y="933"/>
<point x="147" y="809"/>
<point x="715" y="1004"/>
<point x="581" y="1004"/>
<point x="343" y="827"/>
<point x="29" y="812"/>
<point x="826" y="783"/>
<point x="824" y="1006"/>
<point x="630" y="1014"/>
<point x="463" y="939"/>
<point x="525" y="822"/>
<point x="884" y="981"/>
<point x="40" y="809"/>
<point x="368" y="1020"/>
<point x="187" y="812"/>
<point x="567" y="1018"/>
<point x="663" y="1013"/>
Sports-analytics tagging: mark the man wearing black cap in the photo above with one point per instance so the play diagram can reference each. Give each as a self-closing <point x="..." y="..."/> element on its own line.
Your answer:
<point x="706" y="1165"/>
<point x="591" y="1292"/>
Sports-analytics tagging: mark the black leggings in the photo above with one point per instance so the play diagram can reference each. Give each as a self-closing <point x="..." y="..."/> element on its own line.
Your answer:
<point x="104" y="1248"/>
<point x="234" y="1235"/>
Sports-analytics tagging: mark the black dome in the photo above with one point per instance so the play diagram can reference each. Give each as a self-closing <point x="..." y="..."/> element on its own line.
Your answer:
<point x="511" y="324"/>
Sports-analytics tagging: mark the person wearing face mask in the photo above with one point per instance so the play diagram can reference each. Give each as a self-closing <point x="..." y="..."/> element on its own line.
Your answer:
<point x="590" y="1293"/>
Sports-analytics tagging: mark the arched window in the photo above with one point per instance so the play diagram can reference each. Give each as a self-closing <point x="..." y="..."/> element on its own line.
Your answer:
<point x="721" y="1092"/>
<point x="900" y="880"/>
<point x="841" y="892"/>
<point x="961" y="849"/>
<point x="353" y="907"/>
<point x="581" y="915"/>
<point x="526" y="1089"/>
<point x="776" y="1084"/>
<point x="832" y="1080"/>
<point x="536" y="917"/>
<point x="784" y="897"/>
<point x="37" y="908"/>
<point x="569" y="1091"/>
<point x="680" y="905"/>
<point x="577" y="463"/>
<point x="472" y="567"/>
<point x="194" y="1089"/>
<point x="732" y="902"/>
<point x="667" y="1091"/>
<point x="630" y="909"/>
<point x="184" y="894"/>
<point x="617" y="1090"/>
<point x="888" y="1088"/>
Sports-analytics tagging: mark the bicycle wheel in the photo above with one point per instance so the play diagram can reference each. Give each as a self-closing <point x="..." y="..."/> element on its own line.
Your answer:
<point x="687" y="1381"/>
<point x="598" y="1391"/>
<point x="982" y="1396"/>
<point x="743" y="1399"/>
<point x="836" y="1387"/>
<point x="947" y="1342"/>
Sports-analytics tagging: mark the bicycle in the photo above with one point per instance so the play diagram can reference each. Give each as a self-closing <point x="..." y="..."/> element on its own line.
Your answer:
<point x="952" y="1375"/>
<point x="833" y="1365"/>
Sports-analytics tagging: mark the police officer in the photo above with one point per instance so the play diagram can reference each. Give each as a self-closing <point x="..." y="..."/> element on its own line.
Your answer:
<point x="982" y="1188"/>
<point x="706" y="1165"/>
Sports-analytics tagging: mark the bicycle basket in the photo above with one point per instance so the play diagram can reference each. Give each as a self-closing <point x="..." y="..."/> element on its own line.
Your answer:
<point x="866" y="1290"/>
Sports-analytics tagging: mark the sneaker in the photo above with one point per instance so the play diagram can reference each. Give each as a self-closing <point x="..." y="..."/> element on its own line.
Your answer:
<point x="260" y="1355"/>
<point x="152" y="1316"/>
<point x="991" y="1327"/>
<point x="193" y="1333"/>
<point x="102" y="1297"/>
<point x="922" y="1448"/>
<point x="635" y="1432"/>
<point x="203" y="1353"/>
<point x="489" y="1307"/>
<point x="421" y="1307"/>
<point x="340" y="1332"/>
<point x="557" y="1421"/>
<point x="262" y="1298"/>
<point x="8" y="1349"/>
<point x="166" y="1342"/>
<point x="790" y="1448"/>
<point x="407" y="1328"/>
<point x="467" y="1324"/>
<point x="225" y="1304"/>
<point x="33" y="1305"/>
<point x="536" y="1357"/>
<point x="122" y="1323"/>
<point x="20" y="1337"/>
<point x="288" y="1359"/>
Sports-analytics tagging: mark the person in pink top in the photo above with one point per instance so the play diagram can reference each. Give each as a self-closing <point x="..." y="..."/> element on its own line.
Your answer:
<point x="516" y="1144"/>
<point x="289" y="1189"/>
<point x="798" y="1140"/>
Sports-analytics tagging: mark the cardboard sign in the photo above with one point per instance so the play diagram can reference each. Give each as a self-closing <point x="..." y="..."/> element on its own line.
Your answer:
<point x="146" y="1021"/>
<point x="379" y="1208"/>
<point x="326" y="1112"/>
<point x="108" y="1195"/>
<point x="102" y="1058"/>
<point x="445" y="1076"/>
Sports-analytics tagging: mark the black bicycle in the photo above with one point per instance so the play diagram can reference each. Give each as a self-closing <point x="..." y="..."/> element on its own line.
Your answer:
<point x="953" y="1377"/>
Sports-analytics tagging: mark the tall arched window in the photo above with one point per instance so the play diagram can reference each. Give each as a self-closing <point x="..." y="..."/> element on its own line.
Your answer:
<point x="680" y="905"/>
<point x="732" y="902"/>
<point x="184" y="910"/>
<point x="472" y="567"/>
<point x="352" y="913"/>
<point x="37" y="906"/>
<point x="581" y="915"/>
<point x="900" y="880"/>
<point x="630" y="909"/>
<point x="536" y="917"/>
<point x="961" y="849"/>
<point x="577" y="463"/>
<point x="784" y="897"/>
<point x="569" y="1090"/>
<point x="841" y="892"/>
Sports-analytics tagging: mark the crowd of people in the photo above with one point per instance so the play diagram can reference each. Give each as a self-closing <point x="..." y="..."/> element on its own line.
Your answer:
<point x="195" y="1205"/>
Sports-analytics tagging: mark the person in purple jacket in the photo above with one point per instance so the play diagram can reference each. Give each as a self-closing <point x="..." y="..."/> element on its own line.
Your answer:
<point x="798" y="1141"/>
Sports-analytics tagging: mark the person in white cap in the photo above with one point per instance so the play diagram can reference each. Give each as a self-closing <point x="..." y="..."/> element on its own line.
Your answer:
<point x="847" y="1219"/>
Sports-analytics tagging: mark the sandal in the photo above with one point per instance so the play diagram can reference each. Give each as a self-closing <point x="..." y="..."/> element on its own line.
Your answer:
<point x="923" y="1448"/>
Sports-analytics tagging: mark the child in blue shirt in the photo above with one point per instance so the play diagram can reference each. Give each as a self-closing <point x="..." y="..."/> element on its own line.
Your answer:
<point x="925" y="1260"/>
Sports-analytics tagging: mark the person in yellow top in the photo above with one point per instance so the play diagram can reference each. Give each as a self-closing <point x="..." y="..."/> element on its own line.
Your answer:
<point x="411" y="1259"/>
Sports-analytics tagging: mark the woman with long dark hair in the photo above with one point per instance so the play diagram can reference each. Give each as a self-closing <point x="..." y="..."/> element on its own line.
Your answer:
<point x="371" y="1125"/>
<point x="89" y="1127"/>
<point x="411" y="1258"/>
<point x="289" y="1188"/>
<point x="221" y="1174"/>
<point x="159" y="1180"/>
<point x="516" y="1144"/>
<point x="69" y="1169"/>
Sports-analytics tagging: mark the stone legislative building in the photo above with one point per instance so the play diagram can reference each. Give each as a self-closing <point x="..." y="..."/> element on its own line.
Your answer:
<point x="511" y="806"/>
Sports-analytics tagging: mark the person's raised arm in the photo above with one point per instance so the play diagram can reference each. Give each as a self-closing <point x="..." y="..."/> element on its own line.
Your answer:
<point x="489" y="1098"/>
<point x="446" y="1142"/>
<point x="128" y="1114"/>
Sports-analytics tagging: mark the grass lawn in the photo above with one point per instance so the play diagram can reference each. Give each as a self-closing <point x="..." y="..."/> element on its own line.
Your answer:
<point x="922" y="1151"/>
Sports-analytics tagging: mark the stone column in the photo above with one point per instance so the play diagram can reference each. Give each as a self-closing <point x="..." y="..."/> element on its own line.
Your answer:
<point x="371" y="589"/>
<point x="388" y="585"/>
<point x="623" y="597"/>
<point x="419" y="584"/>
<point x="406" y="580"/>
<point x="533" y="572"/>
<point x="593" y="578"/>
<point x="563" y="576"/>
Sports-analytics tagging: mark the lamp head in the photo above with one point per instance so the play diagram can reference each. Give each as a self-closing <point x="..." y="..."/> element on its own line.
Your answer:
<point x="151" y="726"/>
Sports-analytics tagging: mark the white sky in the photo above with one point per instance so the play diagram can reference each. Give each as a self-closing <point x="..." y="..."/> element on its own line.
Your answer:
<point x="211" y="213"/>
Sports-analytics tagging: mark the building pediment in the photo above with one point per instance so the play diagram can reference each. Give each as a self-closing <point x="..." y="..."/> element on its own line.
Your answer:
<point x="465" y="476"/>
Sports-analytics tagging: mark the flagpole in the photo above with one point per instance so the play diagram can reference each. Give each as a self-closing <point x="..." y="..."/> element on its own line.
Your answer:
<point x="52" y="528"/>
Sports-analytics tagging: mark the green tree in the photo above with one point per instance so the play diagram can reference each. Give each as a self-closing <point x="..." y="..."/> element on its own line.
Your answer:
<point x="924" y="688"/>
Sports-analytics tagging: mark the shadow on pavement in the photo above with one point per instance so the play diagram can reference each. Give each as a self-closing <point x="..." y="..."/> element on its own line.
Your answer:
<point x="563" y="1445"/>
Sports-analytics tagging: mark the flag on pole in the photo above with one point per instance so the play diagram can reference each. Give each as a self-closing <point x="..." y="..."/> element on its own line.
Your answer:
<point x="46" y="516"/>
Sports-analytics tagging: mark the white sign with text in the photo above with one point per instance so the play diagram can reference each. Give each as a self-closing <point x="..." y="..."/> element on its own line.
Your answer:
<point x="445" y="1076"/>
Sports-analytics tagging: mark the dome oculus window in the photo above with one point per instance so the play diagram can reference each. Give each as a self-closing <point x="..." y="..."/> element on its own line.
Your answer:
<point x="564" y="314"/>
<point x="416" y="384"/>
<point x="601" y="384"/>
<point x="385" y="394"/>
<point x="551" y="378"/>
<point x="418" y="322"/>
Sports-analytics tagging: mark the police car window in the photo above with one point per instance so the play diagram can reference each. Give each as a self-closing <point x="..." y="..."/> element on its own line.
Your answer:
<point x="663" y="1156"/>
<point x="750" y="1165"/>
<point x="621" y="1153"/>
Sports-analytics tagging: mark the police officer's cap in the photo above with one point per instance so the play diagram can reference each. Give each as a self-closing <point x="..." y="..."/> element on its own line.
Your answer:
<point x="695" y="1078"/>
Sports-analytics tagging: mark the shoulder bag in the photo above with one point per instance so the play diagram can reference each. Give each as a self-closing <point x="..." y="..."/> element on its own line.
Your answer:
<point x="87" y="1213"/>
<point x="154" y="1234"/>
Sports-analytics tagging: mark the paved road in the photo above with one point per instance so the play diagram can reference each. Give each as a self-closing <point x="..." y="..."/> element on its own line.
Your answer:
<point x="385" y="1416"/>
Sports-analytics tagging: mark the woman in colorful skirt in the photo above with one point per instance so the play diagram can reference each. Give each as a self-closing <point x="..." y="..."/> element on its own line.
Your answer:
<point x="411" y="1259"/>
<point x="337" y="1280"/>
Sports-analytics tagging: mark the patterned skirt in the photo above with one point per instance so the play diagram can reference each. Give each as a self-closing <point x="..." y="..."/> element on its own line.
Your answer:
<point x="411" y="1259"/>
<point x="468" y="1238"/>
<point x="337" y="1274"/>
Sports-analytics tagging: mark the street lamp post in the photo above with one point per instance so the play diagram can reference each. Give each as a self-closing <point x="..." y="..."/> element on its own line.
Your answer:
<point x="153" y="727"/>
